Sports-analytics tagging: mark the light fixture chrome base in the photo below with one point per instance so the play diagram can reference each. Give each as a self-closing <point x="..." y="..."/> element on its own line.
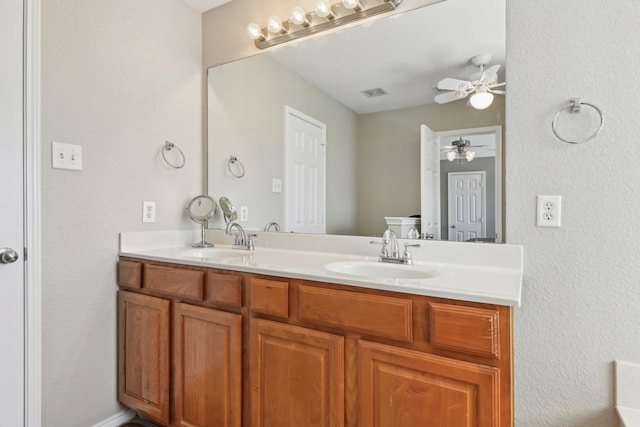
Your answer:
<point x="386" y="6"/>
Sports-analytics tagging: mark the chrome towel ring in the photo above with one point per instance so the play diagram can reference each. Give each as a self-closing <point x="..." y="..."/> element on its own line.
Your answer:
<point x="235" y="166"/>
<point x="574" y="108"/>
<point x="178" y="161"/>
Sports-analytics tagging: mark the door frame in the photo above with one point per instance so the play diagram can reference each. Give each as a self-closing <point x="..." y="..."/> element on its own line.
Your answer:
<point x="32" y="201"/>
<point x="499" y="165"/>
<point x="482" y="173"/>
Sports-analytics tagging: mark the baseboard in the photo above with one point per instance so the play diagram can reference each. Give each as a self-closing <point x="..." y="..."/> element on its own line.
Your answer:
<point x="117" y="419"/>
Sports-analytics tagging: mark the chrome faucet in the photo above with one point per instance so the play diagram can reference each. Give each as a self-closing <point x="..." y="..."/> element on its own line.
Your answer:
<point x="242" y="241"/>
<point x="390" y="253"/>
<point x="275" y="226"/>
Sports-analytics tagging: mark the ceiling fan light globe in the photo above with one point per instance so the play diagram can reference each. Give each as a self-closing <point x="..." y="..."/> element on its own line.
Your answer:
<point x="469" y="155"/>
<point x="451" y="156"/>
<point x="481" y="100"/>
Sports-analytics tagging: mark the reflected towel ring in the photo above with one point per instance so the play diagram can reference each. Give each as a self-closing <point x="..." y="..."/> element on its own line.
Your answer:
<point x="574" y="108"/>
<point x="179" y="161"/>
<point x="233" y="161"/>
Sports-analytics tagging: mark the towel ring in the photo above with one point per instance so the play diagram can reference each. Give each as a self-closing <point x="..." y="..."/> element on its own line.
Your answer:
<point x="233" y="161"/>
<point x="168" y="146"/>
<point x="574" y="108"/>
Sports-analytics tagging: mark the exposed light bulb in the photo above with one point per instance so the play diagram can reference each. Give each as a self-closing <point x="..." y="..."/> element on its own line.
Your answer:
<point x="451" y="156"/>
<point x="323" y="9"/>
<point x="299" y="17"/>
<point x="255" y="32"/>
<point x="274" y="25"/>
<point x="481" y="99"/>
<point x="469" y="155"/>
<point x="352" y="4"/>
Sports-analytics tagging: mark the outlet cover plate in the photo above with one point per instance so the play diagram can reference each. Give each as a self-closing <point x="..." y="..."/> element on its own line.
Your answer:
<point x="549" y="211"/>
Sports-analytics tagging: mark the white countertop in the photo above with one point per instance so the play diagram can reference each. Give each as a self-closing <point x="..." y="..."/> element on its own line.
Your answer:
<point x="497" y="280"/>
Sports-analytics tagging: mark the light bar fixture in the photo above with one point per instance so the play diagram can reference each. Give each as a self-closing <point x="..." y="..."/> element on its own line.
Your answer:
<point x="325" y="16"/>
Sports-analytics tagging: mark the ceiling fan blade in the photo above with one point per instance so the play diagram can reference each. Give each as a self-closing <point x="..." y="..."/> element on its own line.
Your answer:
<point x="490" y="74"/>
<point x="448" y="148"/>
<point x="497" y="85"/>
<point x="498" y="92"/>
<point x="443" y="98"/>
<point x="453" y="84"/>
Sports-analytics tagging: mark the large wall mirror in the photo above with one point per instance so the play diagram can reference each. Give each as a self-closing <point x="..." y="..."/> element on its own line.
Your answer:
<point x="355" y="100"/>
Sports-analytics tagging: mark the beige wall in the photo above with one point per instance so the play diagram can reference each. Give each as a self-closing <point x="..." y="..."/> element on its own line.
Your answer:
<point x="389" y="156"/>
<point x="119" y="78"/>
<point x="246" y="104"/>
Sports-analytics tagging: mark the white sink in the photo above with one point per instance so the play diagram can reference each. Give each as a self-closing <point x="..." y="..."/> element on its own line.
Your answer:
<point x="380" y="270"/>
<point x="209" y="253"/>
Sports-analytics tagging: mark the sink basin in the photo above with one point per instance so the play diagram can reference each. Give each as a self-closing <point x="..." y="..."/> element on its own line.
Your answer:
<point x="210" y="253"/>
<point x="379" y="270"/>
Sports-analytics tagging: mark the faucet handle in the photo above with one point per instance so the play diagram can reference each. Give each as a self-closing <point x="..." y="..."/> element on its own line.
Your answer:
<point x="383" y="251"/>
<point x="407" y="254"/>
<point x="250" y="240"/>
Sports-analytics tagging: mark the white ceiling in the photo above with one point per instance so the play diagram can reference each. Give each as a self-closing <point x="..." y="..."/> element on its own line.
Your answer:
<point x="406" y="54"/>
<point x="204" y="5"/>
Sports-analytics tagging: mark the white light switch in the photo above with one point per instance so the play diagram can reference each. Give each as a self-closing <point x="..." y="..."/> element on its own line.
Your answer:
<point x="66" y="156"/>
<point x="276" y="185"/>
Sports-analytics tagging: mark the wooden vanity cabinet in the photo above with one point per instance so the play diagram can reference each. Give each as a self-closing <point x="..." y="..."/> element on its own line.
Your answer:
<point x="408" y="360"/>
<point x="250" y="350"/>
<point x="180" y="350"/>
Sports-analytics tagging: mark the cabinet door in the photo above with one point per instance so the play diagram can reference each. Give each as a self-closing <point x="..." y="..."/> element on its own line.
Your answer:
<point x="143" y="348"/>
<point x="297" y="376"/>
<point x="405" y="388"/>
<point x="207" y="351"/>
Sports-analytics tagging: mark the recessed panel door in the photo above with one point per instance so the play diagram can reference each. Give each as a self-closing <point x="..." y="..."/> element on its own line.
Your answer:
<point x="305" y="174"/>
<point x="467" y="205"/>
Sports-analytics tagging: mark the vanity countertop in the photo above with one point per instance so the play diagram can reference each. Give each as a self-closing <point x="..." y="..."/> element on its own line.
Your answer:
<point x="497" y="281"/>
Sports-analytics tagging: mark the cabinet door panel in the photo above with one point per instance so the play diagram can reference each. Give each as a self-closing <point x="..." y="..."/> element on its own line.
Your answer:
<point x="143" y="342"/>
<point x="405" y="388"/>
<point x="297" y="376"/>
<point x="207" y="351"/>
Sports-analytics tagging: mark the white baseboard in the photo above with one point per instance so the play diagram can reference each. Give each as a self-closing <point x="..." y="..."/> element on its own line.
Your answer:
<point x="117" y="419"/>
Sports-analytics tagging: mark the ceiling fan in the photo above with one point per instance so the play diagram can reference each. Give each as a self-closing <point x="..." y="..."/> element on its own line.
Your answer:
<point x="460" y="150"/>
<point x="481" y="86"/>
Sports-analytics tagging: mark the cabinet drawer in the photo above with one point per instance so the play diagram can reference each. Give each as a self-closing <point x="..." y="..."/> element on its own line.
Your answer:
<point x="130" y="274"/>
<point x="270" y="297"/>
<point x="375" y="315"/>
<point x="225" y="289"/>
<point x="178" y="282"/>
<point x="465" y="329"/>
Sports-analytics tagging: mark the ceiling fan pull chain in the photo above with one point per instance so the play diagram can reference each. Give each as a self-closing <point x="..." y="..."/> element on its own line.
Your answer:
<point x="575" y="105"/>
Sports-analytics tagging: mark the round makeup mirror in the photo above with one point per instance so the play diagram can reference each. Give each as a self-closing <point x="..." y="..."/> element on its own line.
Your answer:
<point x="202" y="209"/>
<point x="228" y="210"/>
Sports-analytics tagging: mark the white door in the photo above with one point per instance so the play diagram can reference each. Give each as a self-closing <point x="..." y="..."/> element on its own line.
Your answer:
<point x="429" y="182"/>
<point x="11" y="216"/>
<point x="467" y="205"/>
<point x="305" y="173"/>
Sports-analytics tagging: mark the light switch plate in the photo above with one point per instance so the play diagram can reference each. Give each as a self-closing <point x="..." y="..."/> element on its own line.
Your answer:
<point x="276" y="185"/>
<point x="66" y="156"/>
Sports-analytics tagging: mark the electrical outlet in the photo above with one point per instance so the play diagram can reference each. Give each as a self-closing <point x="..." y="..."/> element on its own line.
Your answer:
<point x="549" y="211"/>
<point x="244" y="213"/>
<point x="66" y="156"/>
<point x="148" y="211"/>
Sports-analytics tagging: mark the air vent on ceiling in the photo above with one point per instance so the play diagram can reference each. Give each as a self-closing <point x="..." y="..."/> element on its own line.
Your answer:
<point x="370" y="93"/>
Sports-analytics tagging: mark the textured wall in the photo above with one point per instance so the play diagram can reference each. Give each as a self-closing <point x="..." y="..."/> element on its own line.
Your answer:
<point x="581" y="299"/>
<point x="118" y="78"/>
